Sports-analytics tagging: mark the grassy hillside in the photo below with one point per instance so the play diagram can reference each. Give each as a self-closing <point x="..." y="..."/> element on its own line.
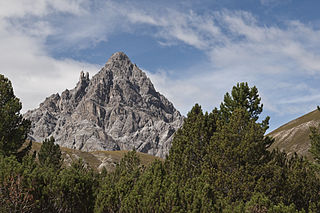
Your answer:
<point x="98" y="159"/>
<point x="294" y="136"/>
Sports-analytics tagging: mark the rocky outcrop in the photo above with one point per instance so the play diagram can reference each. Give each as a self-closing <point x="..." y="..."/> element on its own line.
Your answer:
<point x="118" y="109"/>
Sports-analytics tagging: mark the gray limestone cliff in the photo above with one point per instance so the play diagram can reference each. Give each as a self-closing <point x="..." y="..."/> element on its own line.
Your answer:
<point x="118" y="109"/>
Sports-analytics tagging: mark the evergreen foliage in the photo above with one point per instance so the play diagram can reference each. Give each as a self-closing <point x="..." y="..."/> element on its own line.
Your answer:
<point x="242" y="96"/>
<point x="191" y="143"/>
<point x="13" y="128"/>
<point x="50" y="154"/>
<point x="315" y="143"/>
<point x="74" y="189"/>
<point x="116" y="187"/>
<point x="218" y="162"/>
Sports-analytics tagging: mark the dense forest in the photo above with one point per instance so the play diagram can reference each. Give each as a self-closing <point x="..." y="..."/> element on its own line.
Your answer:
<point x="219" y="162"/>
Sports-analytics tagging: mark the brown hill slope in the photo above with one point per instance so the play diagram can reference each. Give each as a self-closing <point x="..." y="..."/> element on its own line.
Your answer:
<point x="294" y="136"/>
<point x="98" y="159"/>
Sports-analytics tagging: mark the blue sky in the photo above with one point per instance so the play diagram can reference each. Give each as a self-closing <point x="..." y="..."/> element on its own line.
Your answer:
<point x="193" y="51"/>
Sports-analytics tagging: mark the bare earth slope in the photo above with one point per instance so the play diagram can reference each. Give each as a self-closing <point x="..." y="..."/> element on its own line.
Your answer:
<point x="118" y="109"/>
<point x="294" y="136"/>
<point x="98" y="160"/>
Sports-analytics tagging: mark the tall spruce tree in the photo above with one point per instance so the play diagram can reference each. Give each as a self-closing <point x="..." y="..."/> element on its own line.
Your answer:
<point x="13" y="128"/>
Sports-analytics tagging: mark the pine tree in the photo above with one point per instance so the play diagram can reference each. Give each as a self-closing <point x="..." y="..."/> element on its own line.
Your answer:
<point x="190" y="143"/>
<point x="221" y="149"/>
<point x="248" y="99"/>
<point x="242" y="96"/>
<point x="74" y="189"/>
<point x="303" y="184"/>
<point x="238" y="147"/>
<point x="117" y="186"/>
<point x="50" y="154"/>
<point x="147" y="194"/>
<point x="315" y="143"/>
<point x="13" y="128"/>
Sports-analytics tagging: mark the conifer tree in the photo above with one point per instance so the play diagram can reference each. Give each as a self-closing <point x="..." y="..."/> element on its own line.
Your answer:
<point x="315" y="143"/>
<point x="50" y="154"/>
<point x="303" y="186"/>
<point x="242" y="96"/>
<point x="117" y="186"/>
<point x="190" y="143"/>
<point x="248" y="99"/>
<point x="236" y="150"/>
<point x="149" y="191"/>
<point x="13" y="128"/>
<point x="74" y="189"/>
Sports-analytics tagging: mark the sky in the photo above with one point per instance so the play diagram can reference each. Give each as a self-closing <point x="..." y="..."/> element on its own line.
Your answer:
<point x="193" y="51"/>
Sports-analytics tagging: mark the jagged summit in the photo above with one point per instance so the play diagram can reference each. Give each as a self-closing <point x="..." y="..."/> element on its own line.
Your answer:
<point x="119" y="59"/>
<point x="117" y="109"/>
<point x="118" y="56"/>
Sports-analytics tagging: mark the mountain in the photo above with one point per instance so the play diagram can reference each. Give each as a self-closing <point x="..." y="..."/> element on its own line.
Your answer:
<point x="294" y="136"/>
<point x="117" y="109"/>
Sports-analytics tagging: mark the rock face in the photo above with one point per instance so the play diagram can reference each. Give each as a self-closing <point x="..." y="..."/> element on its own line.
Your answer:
<point x="118" y="109"/>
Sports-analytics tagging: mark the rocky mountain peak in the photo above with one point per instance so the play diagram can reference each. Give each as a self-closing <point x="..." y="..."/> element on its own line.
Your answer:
<point x="119" y="60"/>
<point x="118" y="56"/>
<point x="117" y="109"/>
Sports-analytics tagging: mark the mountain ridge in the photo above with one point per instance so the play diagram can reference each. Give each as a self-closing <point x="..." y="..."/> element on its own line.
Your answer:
<point x="117" y="109"/>
<point x="294" y="135"/>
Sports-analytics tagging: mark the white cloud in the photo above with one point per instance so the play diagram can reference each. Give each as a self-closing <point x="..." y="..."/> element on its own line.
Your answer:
<point x="171" y="25"/>
<point x="35" y="75"/>
<point x="277" y="60"/>
<point x="239" y="47"/>
<point x="18" y="8"/>
<point x="25" y="60"/>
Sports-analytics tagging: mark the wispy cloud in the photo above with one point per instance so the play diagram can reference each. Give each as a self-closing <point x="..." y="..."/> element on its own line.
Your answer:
<point x="25" y="59"/>
<point x="274" y="2"/>
<point x="238" y="46"/>
<point x="16" y="8"/>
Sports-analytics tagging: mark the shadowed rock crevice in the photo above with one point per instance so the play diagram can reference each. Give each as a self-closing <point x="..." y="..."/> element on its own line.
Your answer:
<point x="118" y="109"/>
